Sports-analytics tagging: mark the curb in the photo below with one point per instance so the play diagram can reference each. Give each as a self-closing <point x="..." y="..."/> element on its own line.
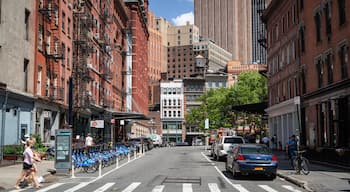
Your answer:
<point x="295" y="181"/>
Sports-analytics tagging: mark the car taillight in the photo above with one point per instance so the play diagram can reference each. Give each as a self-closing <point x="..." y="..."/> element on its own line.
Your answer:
<point x="240" y="158"/>
<point x="274" y="158"/>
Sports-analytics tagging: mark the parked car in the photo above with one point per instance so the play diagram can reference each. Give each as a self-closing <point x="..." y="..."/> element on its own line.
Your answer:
<point x="156" y="139"/>
<point x="251" y="159"/>
<point x="223" y="144"/>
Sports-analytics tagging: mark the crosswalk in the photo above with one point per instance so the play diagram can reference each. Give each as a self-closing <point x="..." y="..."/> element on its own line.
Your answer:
<point x="186" y="187"/>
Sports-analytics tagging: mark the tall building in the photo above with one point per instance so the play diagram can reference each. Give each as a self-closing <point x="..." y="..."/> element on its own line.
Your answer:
<point x="228" y="23"/>
<point x="258" y="32"/>
<point x="155" y="59"/>
<point x="283" y="62"/>
<point x="180" y="56"/>
<point x="17" y="62"/>
<point x="137" y="13"/>
<point x="162" y="25"/>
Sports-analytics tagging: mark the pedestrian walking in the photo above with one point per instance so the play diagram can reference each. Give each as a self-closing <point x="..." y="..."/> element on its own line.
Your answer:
<point x="265" y="140"/>
<point x="274" y="141"/>
<point x="28" y="169"/>
<point x="89" y="141"/>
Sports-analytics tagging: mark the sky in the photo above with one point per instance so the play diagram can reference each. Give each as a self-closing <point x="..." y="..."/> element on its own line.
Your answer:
<point x="175" y="11"/>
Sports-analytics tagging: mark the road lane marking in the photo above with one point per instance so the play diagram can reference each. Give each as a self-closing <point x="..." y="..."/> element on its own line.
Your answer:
<point x="158" y="188"/>
<point x="213" y="187"/>
<point x="240" y="188"/>
<point x="50" y="187"/>
<point x="132" y="187"/>
<point x="104" y="187"/>
<point x="187" y="187"/>
<point x="267" y="188"/>
<point x="81" y="185"/>
<point x="236" y="186"/>
<point x="290" y="188"/>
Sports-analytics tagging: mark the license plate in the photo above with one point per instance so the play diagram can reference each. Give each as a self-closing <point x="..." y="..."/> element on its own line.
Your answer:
<point x="258" y="168"/>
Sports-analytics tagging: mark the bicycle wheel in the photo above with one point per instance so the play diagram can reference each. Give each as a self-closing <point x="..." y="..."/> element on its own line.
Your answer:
<point x="305" y="166"/>
<point x="295" y="164"/>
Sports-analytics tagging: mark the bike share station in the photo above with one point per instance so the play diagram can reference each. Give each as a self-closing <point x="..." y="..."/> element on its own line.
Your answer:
<point x="63" y="157"/>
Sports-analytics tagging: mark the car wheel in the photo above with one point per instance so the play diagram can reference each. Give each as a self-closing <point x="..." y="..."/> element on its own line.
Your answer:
<point x="273" y="176"/>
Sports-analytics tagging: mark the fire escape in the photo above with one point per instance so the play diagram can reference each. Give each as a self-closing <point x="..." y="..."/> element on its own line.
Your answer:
<point x="52" y="50"/>
<point x="83" y="46"/>
<point x="106" y="58"/>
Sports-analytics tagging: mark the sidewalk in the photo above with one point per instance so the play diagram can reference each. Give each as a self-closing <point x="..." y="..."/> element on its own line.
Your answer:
<point x="322" y="178"/>
<point x="9" y="174"/>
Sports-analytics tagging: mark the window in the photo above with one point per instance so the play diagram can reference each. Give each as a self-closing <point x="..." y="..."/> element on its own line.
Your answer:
<point x="317" y="18"/>
<point x="63" y="53"/>
<point x="40" y="37"/>
<point x="328" y="17"/>
<point x="38" y="83"/>
<point x="48" y="43"/>
<point x="303" y="81"/>
<point x="302" y="39"/>
<point x="63" y="20"/>
<point x="165" y="114"/>
<point x="25" y="71"/>
<point x="26" y="22"/>
<point x="178" y="113"/>
<point x="329" y="64"/>
<point x="301" y="4"/>
<point x="342" y="12"/>
<point x="343" y="57"/>
<point x="68" y="27"/>
<point x="68" y="57"/>
<point x="319" y="69"/>
<point x="56" y="16"/>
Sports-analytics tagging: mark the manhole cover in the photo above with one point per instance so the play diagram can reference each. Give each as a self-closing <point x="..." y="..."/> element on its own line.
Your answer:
<point x="182" y="180"/>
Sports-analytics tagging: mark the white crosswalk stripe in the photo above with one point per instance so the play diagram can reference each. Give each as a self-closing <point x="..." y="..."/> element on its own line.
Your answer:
<point x="186" y="187"/>
<point x="240" y="188"/>
<point x="104" y="187"/>
<point x="267" y="188"/>
<point x="158" y="188"/>
<point x="290" y="188"/>
<point x="81" y="185"/>
<point x="213" y="187"/>
<point x="50" y="187"/>
<point x="132" y="187"/>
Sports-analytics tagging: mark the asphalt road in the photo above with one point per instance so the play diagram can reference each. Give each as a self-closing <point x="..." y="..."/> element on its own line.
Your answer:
<point x="187" y="169"/>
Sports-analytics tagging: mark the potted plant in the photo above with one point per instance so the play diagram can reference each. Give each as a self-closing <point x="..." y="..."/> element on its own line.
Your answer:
<point x="12" y="152"/>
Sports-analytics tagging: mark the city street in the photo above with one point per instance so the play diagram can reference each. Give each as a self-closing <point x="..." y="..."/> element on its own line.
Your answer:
<point x="173" y="169"/>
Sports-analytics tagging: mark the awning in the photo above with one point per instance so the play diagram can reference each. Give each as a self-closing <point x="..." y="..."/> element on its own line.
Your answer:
<point x="258" y="108"/>
<point x="129" y="115"/>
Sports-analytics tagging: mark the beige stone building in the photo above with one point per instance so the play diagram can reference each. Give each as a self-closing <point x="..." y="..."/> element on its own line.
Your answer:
<point x="162" y="26"/>
<point x="183" y="35"/>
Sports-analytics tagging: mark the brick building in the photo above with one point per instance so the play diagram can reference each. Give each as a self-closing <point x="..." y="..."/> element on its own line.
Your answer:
<point x="137" y="12"/>
<point x="317" y="78"/>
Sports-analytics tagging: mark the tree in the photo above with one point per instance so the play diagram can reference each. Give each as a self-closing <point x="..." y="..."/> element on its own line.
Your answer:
<point x="216" y="103"/>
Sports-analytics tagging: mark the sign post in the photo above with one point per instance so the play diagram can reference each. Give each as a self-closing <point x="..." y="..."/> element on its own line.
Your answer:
<point x="63" y="157"/>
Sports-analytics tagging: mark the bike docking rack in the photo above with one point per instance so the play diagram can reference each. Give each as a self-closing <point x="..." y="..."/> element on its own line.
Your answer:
<point x="87" y="161"/>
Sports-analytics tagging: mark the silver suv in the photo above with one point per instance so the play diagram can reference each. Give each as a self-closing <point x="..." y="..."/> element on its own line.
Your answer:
<point x="223" y="144"/>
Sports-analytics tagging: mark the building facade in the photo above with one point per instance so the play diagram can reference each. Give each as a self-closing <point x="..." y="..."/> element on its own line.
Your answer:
<point x="324" y="26"/>
<point x="172" y="110"/>
<point x="258" y="32"/>
<point x="228" y="23"/>
<point x="234" y="68"/>
<point x="283" y="69"/>
<point x="137" y="11"/>
<point x="17" y="44"/>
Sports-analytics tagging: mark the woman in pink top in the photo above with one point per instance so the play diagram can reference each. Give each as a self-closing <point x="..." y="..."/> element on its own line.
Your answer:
<point x="28" y="165"/>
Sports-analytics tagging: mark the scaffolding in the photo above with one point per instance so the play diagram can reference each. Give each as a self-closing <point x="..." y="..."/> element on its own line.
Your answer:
<point x="51" y="46"/>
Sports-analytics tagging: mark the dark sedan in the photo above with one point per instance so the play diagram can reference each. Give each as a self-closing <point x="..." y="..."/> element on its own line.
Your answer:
<point x="251" y="159"/>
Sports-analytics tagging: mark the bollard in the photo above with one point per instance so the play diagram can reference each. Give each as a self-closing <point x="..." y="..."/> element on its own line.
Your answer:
<point x="100" y="167"/>
<point x="135" y="154"/>
<point x="73" y="176"/>
<point x="117" y="163"/>
<point x="128" y="156"/>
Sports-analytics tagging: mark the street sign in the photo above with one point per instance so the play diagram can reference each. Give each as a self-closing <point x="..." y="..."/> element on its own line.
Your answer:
<point x="206" y="123"/>
<point x="97" y="123"/>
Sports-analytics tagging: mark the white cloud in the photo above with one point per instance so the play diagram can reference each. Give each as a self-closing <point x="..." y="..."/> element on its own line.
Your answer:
<point x="182" y="19"/>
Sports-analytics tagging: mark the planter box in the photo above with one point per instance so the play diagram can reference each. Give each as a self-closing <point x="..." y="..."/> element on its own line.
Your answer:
<point x="12" y="157"/>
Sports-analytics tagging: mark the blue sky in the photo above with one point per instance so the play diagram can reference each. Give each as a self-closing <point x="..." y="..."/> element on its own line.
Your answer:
<point x="175" y="11"/>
